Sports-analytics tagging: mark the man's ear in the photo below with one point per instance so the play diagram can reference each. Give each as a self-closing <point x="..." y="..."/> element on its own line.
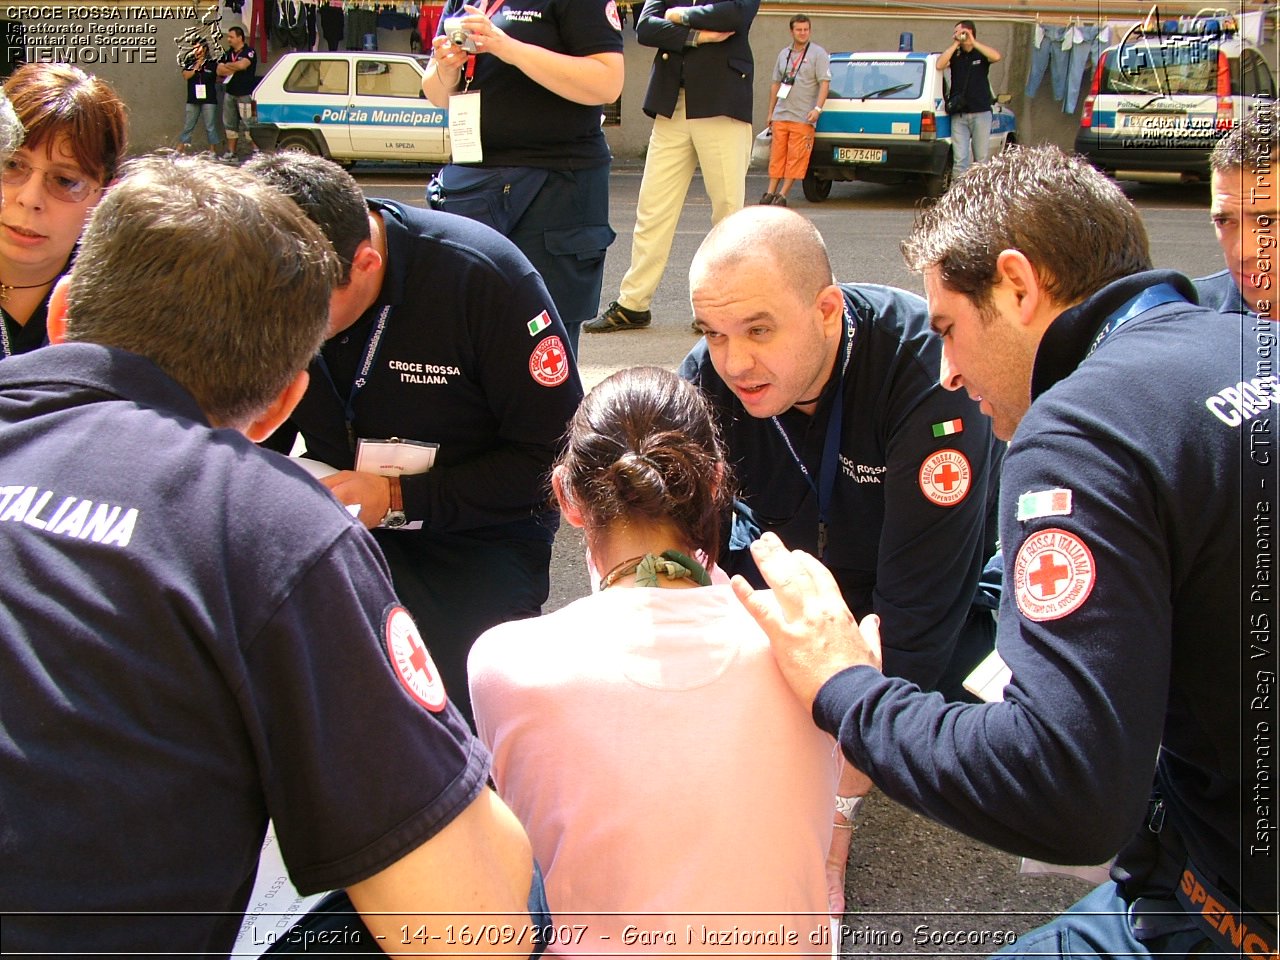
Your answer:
<point x="831" y="304"/>
<point x="56" y="323"/>
<point x="280" y="408"/>
<point x="1023" y="283"/>
<point x="569" y="511"/>
<point x="366" y="259"/>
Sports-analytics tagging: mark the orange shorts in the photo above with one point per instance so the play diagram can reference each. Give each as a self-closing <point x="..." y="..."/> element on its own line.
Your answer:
<point x="789" y="155"/>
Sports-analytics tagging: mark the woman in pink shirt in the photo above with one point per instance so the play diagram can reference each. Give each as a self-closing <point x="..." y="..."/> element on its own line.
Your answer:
<point x="678" y="795"/>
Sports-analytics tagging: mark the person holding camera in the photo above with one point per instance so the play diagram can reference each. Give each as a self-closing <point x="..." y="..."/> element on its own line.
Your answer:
<point x="969" y="102"/>
<point x="200" y="71"/>
<point x="542" y="70"/>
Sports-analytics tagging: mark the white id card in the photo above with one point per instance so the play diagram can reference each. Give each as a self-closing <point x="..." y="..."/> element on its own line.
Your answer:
<point x="784" y="91"/>
<point x="464" y="127"/>
<point x="395" y="457"/>
<point x="200" y="91"/>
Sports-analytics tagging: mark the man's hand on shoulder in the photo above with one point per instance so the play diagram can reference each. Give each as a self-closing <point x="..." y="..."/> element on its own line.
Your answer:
<point x="810" y="628"/>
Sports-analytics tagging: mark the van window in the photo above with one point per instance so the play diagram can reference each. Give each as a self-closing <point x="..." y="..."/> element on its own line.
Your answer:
<point x="1163" y="66"/>
<point x="877" y="79"/>
<point x="318" y="76"/>
<point x="379" y="78"/>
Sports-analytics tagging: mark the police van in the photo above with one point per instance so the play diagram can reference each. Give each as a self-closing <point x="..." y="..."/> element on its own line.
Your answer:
<point x="349" y="106"/>
<point x="1163" y="96"/>
<point x="885" y="121"/>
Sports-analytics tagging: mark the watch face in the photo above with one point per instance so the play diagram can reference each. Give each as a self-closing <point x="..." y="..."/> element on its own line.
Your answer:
<point x="395" y="518"/>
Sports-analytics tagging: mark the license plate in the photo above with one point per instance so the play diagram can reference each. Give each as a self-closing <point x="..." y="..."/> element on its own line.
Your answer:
<point x="1155" y="121"/>
<point x="859" y="155"/>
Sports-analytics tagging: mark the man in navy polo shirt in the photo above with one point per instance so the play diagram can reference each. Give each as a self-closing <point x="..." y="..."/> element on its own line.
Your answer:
<point x="194" y="635"/>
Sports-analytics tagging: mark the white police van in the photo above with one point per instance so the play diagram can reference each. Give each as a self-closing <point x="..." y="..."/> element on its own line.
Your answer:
<point x="1164" y="95"/>
<point x="885" y="121"/>
<point x="349" y="106"/>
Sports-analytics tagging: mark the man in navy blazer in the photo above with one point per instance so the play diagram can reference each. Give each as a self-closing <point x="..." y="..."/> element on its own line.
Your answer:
<point x="699" y="96"/>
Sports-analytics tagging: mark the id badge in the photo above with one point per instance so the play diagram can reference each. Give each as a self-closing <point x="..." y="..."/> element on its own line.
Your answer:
<point x="783" y="91"/>
<point x="200" y="91"/>
<point x="464" y="127"/>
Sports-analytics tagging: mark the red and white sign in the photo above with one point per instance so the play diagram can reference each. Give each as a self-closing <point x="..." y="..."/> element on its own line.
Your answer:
<point x="411" y="662"/>
<point x="611" y="14"/>
<point x="549" y="362"/>
<point x="1053" y="575"/>
<point x="945" y="477"/>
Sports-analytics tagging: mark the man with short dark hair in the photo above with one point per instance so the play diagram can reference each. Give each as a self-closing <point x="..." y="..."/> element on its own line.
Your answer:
<point x="1139" y="618"/>
<point x="969" y="98"/>
<point x="801" y="79"/>
<point x="194" y="635"/>
<point x="237" y="69"/>
<point x="1245" y="209"/>
<point x="441" y="333"/>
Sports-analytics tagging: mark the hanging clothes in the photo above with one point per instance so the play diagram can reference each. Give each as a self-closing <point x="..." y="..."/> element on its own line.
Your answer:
<point x="1047" y="53"/>
<point x="1086" y="49"/>
<point x="331" y="25"/>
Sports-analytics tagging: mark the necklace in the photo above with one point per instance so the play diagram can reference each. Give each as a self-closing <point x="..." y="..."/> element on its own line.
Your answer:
<point x="671" y="564"/>
<point x="6" y="287"/>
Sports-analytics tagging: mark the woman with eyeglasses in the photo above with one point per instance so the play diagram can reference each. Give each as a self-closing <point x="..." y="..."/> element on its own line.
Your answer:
<point x="75" y="138"/>
<point x="670" y="782"/>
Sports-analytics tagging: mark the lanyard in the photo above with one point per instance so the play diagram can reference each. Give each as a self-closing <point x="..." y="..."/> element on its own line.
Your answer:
<point x="6" y="349"/>
<point x="830" y="445"/>
<point x="790" y="75"/>
<point x="1148" y="299"/>
<point x="471" y="59"/>
<point x="371" y="346"/>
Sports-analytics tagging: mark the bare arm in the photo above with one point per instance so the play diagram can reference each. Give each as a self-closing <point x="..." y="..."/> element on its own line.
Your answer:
<point x="944" y="61"/>
<point x="592" y="79"/>
<point x="991" y="53"/>
<point x="477" y="870"/>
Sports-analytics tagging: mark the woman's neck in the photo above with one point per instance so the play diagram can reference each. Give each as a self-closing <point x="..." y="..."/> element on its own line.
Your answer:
<point x="622" y="542"/>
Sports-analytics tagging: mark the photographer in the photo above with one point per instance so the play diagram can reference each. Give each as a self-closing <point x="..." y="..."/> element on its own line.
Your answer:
<point x="201" y="73"/>
<point x="969" y="103"/>
<point x="542" y="69"/>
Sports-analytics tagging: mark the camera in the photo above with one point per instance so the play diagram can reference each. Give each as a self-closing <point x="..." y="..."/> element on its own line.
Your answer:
<point x="458" y="35"/>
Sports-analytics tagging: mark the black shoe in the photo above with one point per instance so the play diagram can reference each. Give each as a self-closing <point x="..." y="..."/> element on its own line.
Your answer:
<point x="779" y="200"/>
<point x="768" y="198"/>
<point x="616" y="317"/>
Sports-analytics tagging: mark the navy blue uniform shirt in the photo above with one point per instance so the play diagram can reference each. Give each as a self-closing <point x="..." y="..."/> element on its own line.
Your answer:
<point x="907" y="530"/>
<point x="194" y="636"/>
<point x="1139" y="613"/>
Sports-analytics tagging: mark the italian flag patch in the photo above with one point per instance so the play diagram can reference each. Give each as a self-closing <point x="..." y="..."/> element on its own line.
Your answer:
<point x="539" y="323"/>
<point x="948" y="427"/>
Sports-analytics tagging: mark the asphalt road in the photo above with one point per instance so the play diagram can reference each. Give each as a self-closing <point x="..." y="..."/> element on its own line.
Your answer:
<point x="913" y="888"/>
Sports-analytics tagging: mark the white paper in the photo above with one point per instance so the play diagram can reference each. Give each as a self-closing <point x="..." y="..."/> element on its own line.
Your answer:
<point x="274" y="906"/>
<point x="464" y="127"/>
<point x="395" y="458"/>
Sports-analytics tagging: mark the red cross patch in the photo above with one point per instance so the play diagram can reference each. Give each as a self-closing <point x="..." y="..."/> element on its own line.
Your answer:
<point x="611" y="14"/>
<point x="945" y="477"/>
<point x="549" y="362"/>
<point x="411" y="662"/>
<point x="1053" y="574"/>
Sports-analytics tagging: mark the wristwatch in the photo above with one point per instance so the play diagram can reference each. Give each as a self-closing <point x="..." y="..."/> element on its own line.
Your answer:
<point x="395" y="517"/>
<point x="848" y="807"/>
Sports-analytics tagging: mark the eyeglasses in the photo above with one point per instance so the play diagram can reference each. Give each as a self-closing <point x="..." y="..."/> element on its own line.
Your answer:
<point x="15" y="171"/>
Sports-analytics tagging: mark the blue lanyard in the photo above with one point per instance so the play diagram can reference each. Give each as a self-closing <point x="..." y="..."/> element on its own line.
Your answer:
<point x="371" y="346"/>
<point x="830" y="446"/>
<point x="1148" y="299"/>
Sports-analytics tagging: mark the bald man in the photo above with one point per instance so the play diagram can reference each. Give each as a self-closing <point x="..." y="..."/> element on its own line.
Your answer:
<point x="843" y="442"/>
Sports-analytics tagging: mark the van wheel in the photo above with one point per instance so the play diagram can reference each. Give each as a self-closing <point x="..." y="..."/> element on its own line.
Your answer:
<point x="935" y="184"/>
<point x="301" y="142"/>
<point x="815" y="188"/>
